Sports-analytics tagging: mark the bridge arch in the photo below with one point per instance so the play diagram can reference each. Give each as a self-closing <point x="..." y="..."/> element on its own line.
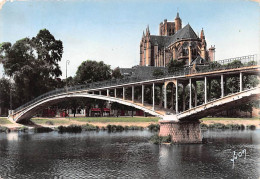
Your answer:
<point x="27" y="113"/>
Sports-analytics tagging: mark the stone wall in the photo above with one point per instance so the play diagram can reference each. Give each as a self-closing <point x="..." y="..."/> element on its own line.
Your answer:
<point x="181" y="132"/>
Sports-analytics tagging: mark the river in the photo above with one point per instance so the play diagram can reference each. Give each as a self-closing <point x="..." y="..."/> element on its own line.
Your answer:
<point x="127" y="155"/>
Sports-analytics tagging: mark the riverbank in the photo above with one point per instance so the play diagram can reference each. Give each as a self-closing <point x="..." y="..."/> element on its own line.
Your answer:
<point x="121" y="121"/>
<point x="100" y="122"/>
<point x="234" y="121"/>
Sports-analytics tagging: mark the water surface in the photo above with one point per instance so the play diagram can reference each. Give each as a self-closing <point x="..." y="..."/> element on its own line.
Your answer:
<point x="127" y="155"/>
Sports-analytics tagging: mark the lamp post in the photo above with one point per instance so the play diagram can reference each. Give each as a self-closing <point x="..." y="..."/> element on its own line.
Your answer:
<point x="67" y="63"/>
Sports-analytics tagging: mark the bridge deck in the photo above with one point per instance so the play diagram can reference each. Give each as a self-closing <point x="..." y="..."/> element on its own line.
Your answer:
<point x="85" y="91"/>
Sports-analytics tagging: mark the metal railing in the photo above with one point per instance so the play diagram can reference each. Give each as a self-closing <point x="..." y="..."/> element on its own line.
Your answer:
<point x="243" y="59"/>
<point x="127" y="80"/>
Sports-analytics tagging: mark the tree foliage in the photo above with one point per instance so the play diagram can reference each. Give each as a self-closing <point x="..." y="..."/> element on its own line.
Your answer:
<point x="175" y="65"/>
<point x="214" y="65"/>
<point x="33" y="64"/>
<point x="4" y="93"/>
<point x="92" y="71"/>
<point x="116" y="74"/>
<point x="158" y="72"/>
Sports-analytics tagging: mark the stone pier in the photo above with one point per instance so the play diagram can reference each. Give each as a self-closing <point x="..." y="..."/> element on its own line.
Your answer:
<point x="187" y="132"/>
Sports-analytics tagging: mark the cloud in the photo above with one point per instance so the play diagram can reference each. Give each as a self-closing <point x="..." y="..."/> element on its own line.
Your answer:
<point x="2" y="2"/>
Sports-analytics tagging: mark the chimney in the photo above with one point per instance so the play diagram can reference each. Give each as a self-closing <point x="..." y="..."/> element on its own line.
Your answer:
<point x="212" y="53"/>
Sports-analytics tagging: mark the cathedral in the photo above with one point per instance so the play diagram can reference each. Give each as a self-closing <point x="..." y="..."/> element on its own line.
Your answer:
<point x="174" y="42"/>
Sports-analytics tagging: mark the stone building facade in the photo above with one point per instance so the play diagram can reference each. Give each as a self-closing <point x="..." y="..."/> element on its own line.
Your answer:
<point x="174" y="42"/>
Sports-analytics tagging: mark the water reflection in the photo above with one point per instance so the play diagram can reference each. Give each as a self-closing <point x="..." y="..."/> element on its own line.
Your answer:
<point x="126" y="154"/>
<point x="13" y="136"/>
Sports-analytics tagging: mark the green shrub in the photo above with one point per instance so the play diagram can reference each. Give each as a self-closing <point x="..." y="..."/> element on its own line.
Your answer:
<point x="158" y="72"/>
<point x="252" y="63"/>
<point x="49" y="123"/>
<point x="114" y="128"/>
<point x="119" y="128"/>
<point x="236" y="127"/>
<point x="109" y="127"/>
<point x="217" y="126"/>
<point x="223" y="126"/>
<point x="229" y="126"/>
<point x="70" y="128"/>
<point x="135" y="128"/>
<point x="251" y="127"/>
<point x="4" y="129"/>
<point x="42" y="129"/>
<point x="90" y="127"/>
<point x="203" y="126"/>
<point x="166" y="139"/>
<point x="156" y="139"/>
<point x="23" y="129"/>
<point x="154" y="127"/>
<point x="242" y="127"/>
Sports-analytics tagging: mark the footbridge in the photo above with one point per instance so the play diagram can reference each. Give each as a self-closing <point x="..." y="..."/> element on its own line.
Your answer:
<point x="171" y="97"/>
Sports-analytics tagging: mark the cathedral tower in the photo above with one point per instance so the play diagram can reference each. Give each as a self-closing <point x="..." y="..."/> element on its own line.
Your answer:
<point x="174" y="42"/>
<point x="203" y="45"/>
<point x="178" y="24"/>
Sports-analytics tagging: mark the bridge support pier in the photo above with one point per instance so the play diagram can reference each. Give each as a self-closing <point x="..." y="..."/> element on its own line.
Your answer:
<point x="186" y="132"/>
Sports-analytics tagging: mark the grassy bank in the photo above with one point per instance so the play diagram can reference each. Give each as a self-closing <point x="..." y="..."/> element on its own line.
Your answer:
<point x="51" y="121"/>
<point x="4" y="120"/>
<point x="127" y="121"/>
<point x="228" y="126"/>
<point x="231" y="122"/>
<point x="102" y="121"/>
<point x="64" y="121"/>
<point x="226" y="119"/>
<point x="116" y="119"/>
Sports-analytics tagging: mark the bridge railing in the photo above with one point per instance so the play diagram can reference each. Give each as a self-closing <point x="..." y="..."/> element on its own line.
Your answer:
<point x="218" y="67"/>
<point x="127" y="80"/>
<point x="243" y="59"/>
<point x="102" y="84"/>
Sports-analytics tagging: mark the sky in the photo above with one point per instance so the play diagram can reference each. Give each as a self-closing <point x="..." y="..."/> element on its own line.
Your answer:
<point x="111" y="30"/>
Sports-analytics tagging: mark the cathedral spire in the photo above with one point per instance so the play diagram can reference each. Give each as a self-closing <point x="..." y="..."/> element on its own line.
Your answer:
<point x="177" y="16"/>
<point x="147" y="31"/>
<point x="202" y="36"/>
<point x="178" y="23"/>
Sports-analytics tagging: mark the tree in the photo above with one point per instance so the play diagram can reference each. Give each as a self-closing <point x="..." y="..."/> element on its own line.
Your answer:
<point x="88" y="72"/>
<point x="116" y="73"/>
<point x="235" y="63"/>
<point x="4" y="94"/>
<point x="158" y="72"/>
<point x="214" y="65"/>
<point x="33" y="64"/>
<point x="92" y="71"/>
<point x="175" y="65"/>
